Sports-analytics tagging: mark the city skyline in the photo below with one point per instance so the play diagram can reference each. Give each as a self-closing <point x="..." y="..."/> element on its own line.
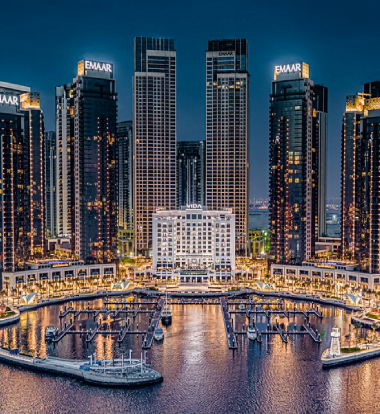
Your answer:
<point x="267" y="48"/>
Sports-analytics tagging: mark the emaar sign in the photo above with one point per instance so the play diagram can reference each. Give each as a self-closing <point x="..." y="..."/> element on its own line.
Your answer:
<point x="98" y="66"/>
<point x="294" y="67"/>
<point x="11" y="100"/>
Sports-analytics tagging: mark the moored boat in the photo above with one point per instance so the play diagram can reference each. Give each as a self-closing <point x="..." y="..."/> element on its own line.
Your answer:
<point x="158" y="334"/>
<point x="166" y="316"/>
<point x="50" y="333"/>
<point x="252" y="332"/>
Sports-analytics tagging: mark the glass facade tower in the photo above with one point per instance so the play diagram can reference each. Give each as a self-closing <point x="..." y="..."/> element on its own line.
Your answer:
<point x="22" y="203"/>
<point x="124" y="174"/>
<point x="191" y="170"/>
<point x="86" y="114"/>
<point x="154" y="134"/>
<point x="361" y="177"/>
<point x="227" y="132"/>
<point x="50" y="160"/>
<point x="64" y="215"/>
<point x="298" y="119"/>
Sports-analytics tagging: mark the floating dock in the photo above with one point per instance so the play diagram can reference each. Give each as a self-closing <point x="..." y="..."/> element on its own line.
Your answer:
<point x="109" y="373"/>
<point x="231" y="339"/>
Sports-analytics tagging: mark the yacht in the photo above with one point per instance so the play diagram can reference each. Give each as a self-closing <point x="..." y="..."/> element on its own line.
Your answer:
<point x="166" y="316"/>
<point x="50" y="333"/>
<point x="252" y="332"/>
<point x="158" y="334"/>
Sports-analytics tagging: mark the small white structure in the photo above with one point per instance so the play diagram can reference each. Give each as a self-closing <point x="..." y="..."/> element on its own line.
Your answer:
<point x="356" y="300"/>
<point x="120" y="286"/>
<point x="30" y="299"/>
<point x="265" y="285"/>
<point x="194" y="243"/>
<point x="335" y="342"/>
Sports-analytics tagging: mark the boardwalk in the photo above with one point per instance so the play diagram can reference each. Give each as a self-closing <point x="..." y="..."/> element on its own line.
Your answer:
<point x="231" y="340"/>
<point x="155" y="321"/>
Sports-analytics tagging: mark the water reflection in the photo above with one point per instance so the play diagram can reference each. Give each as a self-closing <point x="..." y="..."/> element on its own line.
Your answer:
<point x="201" y="375"/>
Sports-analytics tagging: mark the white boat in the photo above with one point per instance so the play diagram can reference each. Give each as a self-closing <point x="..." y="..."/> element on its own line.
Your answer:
<point x="166" y="316"/>
<point x="51" y="332"/>
<point x="158" y="334"/>
<point x="252" y="332"/>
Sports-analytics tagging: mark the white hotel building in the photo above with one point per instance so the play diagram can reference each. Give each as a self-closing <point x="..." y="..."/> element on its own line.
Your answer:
<point x="194" y="243"/>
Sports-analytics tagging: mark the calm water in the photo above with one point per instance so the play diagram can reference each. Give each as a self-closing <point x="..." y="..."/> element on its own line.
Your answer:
<point x="201" y="375"/>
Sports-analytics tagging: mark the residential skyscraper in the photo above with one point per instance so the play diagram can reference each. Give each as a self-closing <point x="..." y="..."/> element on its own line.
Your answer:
<point x="349" y="172"/>
<point x="89" y="106"/>
<point x="124" y="175"/>
<point x="64" y="100"/>
<point x="298" y="119"/>
<point x="191" y="172"/>
<point x="227" y="132"/>
<point x="360" y="182"/>
<point x="22" y="204"/>
<point x="50" y="162"/>
<point x="154" y="134"/>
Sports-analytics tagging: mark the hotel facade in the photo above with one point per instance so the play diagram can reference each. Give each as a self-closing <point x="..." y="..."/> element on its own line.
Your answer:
<point x="194" y="242"/>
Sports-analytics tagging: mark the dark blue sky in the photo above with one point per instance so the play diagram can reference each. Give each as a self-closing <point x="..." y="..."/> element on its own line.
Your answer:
<point x="42" y="41"/>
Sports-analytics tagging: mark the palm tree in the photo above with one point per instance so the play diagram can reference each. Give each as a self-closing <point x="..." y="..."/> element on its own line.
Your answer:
<point x="357" y="328"/>
<point x="374" y="328"/>
<point x="3" y="293"/>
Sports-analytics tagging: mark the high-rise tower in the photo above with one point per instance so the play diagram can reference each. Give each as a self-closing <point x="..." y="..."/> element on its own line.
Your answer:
<point x="50" y="163"/>
<point x="86" y="131"/>
<point x="349" y="172"/>
<point x="298" y="119"/>
<point x="361" y="177"/>
<point x="227" y="131"/>
<point x="124" y="175"/>
<point x="22" y="203"/>
<point x="154" y="134"/>
<point x="64" y="216"/>
<point x="191" y="172"/>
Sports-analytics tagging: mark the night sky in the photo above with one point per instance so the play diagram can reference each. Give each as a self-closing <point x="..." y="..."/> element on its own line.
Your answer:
<point x="42" y="41"/>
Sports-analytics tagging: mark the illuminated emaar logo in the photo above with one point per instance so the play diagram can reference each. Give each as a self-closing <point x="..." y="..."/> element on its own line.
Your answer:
<point x="294" y="67"/>
<point x="99" y="66"/>
<point x="11" y="100"/>
<point x="228" y="53"/>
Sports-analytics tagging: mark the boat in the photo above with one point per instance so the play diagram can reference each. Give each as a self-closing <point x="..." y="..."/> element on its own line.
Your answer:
<point x="166" y="316"/>
<point x="252" y="332"/>
<point x="124" y="372"/>
<point x="158" y="334"/>
<point x="50" y="333"/>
